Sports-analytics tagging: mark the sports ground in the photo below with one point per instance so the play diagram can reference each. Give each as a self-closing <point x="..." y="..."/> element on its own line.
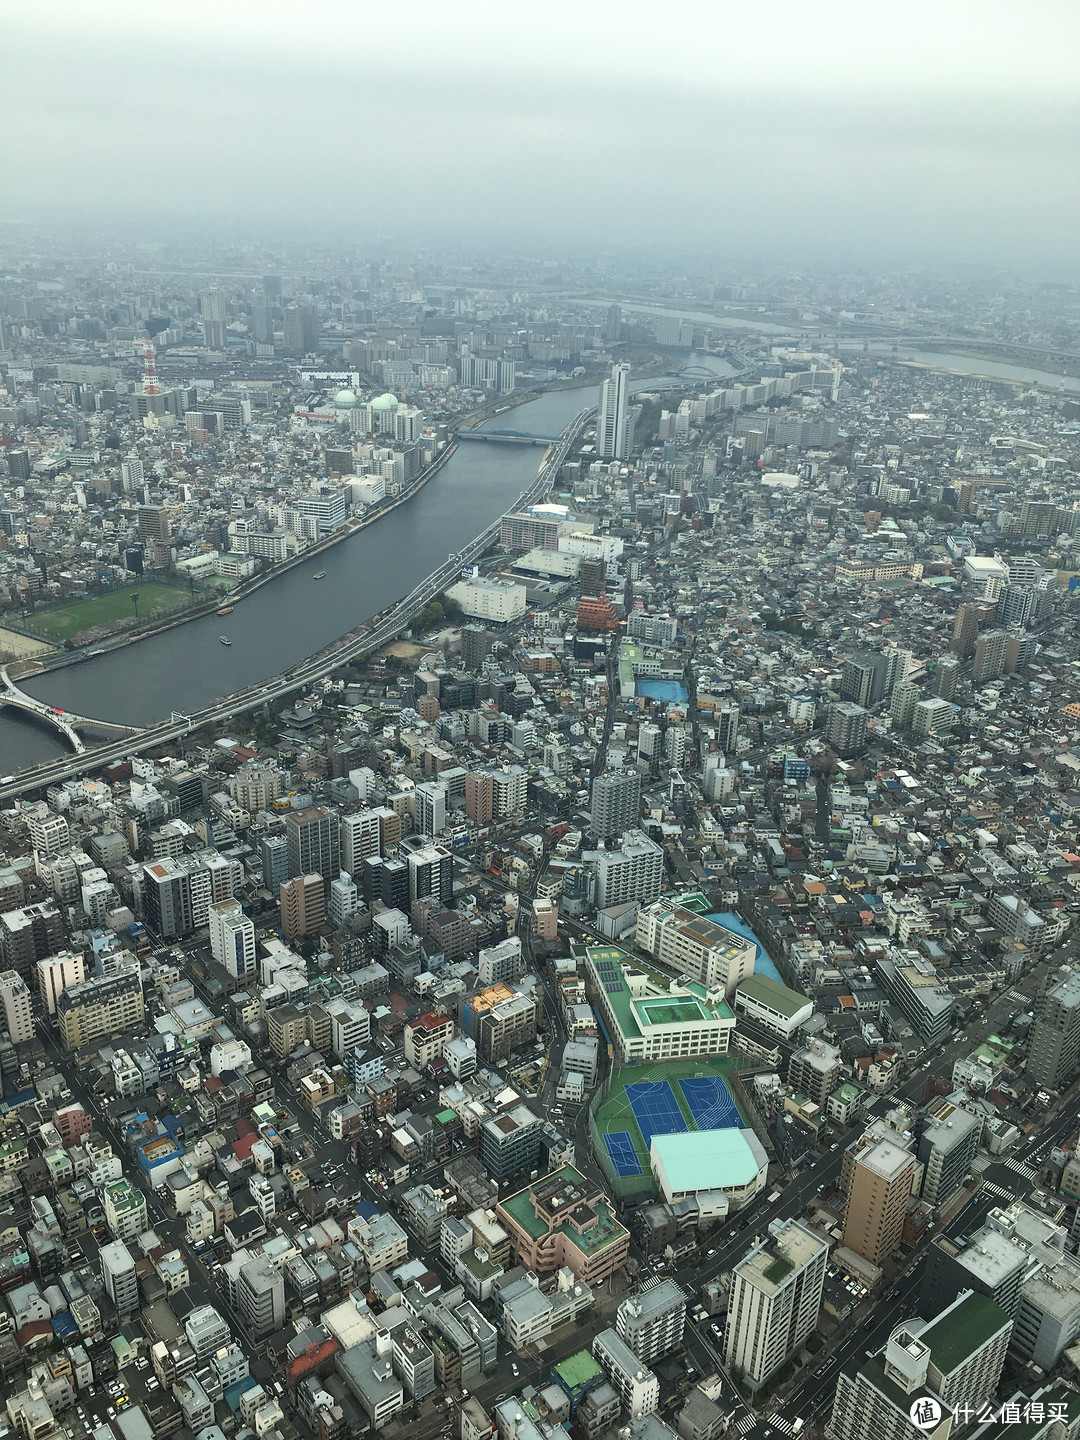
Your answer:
<point x="644" y="1101"/>
<point x="68" y="620"/>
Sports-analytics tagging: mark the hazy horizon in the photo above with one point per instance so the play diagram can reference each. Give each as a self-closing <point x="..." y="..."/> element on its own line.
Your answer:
<point x="909" y="134"/>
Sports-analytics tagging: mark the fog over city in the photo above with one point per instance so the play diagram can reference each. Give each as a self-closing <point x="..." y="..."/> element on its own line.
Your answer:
<point x="906" y="133"/>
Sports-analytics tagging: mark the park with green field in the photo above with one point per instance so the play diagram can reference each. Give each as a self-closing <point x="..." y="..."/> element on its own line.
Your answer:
<point x="67" y="621"/>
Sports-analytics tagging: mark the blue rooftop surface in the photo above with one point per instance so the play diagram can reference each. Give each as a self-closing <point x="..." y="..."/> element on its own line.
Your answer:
<point x="670" y="691"/>
<point x="762" y="964"/>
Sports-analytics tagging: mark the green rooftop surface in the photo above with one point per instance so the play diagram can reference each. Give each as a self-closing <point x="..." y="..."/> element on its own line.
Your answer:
<point x="669" y="1012"/>
<point x="595" y="1237"/>
<point x="778" y="1270"/>
<point x="633" y="1017"/>
<point x="959" y="1331"/>
<point x="768" y="991"/>
<point x="577" y="1371"/>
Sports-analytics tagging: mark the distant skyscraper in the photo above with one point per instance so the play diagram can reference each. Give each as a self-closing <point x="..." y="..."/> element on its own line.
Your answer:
<point x="262" y="320"/>
<point x="613" y="415"/>
<point x="301" y="330"/>
<point x="213" y="319"/>
<point x="613" y="323"/>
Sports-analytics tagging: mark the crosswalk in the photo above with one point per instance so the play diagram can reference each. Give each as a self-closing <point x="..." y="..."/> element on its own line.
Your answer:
<point x="745" y="1423"/>
<point x="998" y="1190"/>
<point x="1029" y="1172"/>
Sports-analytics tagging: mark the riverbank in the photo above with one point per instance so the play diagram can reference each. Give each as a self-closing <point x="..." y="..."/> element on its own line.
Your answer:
<point x="243" y="591"/>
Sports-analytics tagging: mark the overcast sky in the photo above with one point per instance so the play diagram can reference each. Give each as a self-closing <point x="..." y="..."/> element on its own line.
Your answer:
<point x="884" y="129"/>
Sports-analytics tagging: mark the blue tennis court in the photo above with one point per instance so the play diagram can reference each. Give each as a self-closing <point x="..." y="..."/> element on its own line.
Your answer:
<point x="710" y="1103"/>
<point x="655" y="1109"/>
<point x="623" y="1155"/>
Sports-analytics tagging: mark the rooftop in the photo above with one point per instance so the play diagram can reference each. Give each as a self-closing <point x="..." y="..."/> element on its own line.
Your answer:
<point x="767" y="991"/>
<point x="709" y="1159"/>
<point x="969" y="1323"/>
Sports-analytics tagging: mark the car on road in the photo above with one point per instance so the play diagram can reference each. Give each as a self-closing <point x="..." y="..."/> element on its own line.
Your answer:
<point x="514" y="1369"/>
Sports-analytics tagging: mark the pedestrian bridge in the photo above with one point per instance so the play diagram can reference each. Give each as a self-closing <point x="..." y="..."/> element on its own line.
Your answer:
<point x="67" y="723"/>
<point x="506" y="437"/>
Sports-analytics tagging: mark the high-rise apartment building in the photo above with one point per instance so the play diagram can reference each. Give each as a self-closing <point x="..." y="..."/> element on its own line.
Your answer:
<point x="55" y="974"/>
<point x="966" y="629"/>
<point x="616" y="802"/>
<point x="49" y="832"/>
<point x="948" y="673"/>
<point x="1054" y="1044"/>
<point x="905" y="697"/>
<point x="924" y="1370"/>
<point x="877" y="1200"/>
<point x="480" y="797"/>
<point x="635" y="871"/>
<point x="948" y="1143"/>
<point x="119" y="1277"/>
<point x="314" y="842"/>
<point x="652" y="1321"/>
<point x="360" y="837"/>
<point x="429" y="808"/>
<point x="613" y="415"/>
<point x="100" y="1008"/>
<point x="431" y="872"/>
<point x="775" y="1299"/>
<point x="29" y="934"/>
<point x="17" y="1007"/>
<point x="232" y="938"/>
<point x="303" y="906"/>
<point x="274" y="852"/>
<point x="863" y="677"/>
<point x="989" y="661"/>
<point x="260" y="1298"/>
<point x="845" y="728"/>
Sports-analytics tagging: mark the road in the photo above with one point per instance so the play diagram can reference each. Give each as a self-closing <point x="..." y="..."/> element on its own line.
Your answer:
<point x="318" y="667"/>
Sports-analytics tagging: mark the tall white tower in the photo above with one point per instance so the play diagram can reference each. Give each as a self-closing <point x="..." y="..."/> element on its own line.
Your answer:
<point x="613" y="415"/>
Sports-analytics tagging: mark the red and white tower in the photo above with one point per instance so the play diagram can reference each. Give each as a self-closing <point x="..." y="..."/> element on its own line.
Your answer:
<point x="149" y="372"/>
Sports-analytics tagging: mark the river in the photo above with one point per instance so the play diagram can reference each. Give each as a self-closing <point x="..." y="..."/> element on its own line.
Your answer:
<point x="293" y="615"/>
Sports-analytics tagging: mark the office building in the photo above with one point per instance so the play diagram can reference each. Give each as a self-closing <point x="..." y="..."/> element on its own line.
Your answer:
<point x="17" y="1007"/>
<point x="691" y="945"/>
<point x="912" y="983"/>
<point x="232" y="938"/>
<point x="845" y="728"/>
<point x="510" y="1143"/>
<point x="948" y="1141"/>
<point x="636" y="1385"/>
<point x="314" y="842"/>
<point x="652" y="1321"/>
<point x="1054" y="1046"/>
<point x="262" y="321"/>
<point x="500" y="601"/>
<point x="100" y="1009"/>
<point x="500" y="1020"/>
<point x="775" y="1299"/>
<point x="119" y="1277"/>
<point x="167" y="900"/>
<point x="214" y="319"/>
<point x="615" y="803"/>
<point x="989" y="661"/>
<point x="658" y="630"/>
<point x="877" y="1200"/>
<point x="1047" y="1320"/>
<point x="926" y="1370"/>
<point x="613" y="426"/>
